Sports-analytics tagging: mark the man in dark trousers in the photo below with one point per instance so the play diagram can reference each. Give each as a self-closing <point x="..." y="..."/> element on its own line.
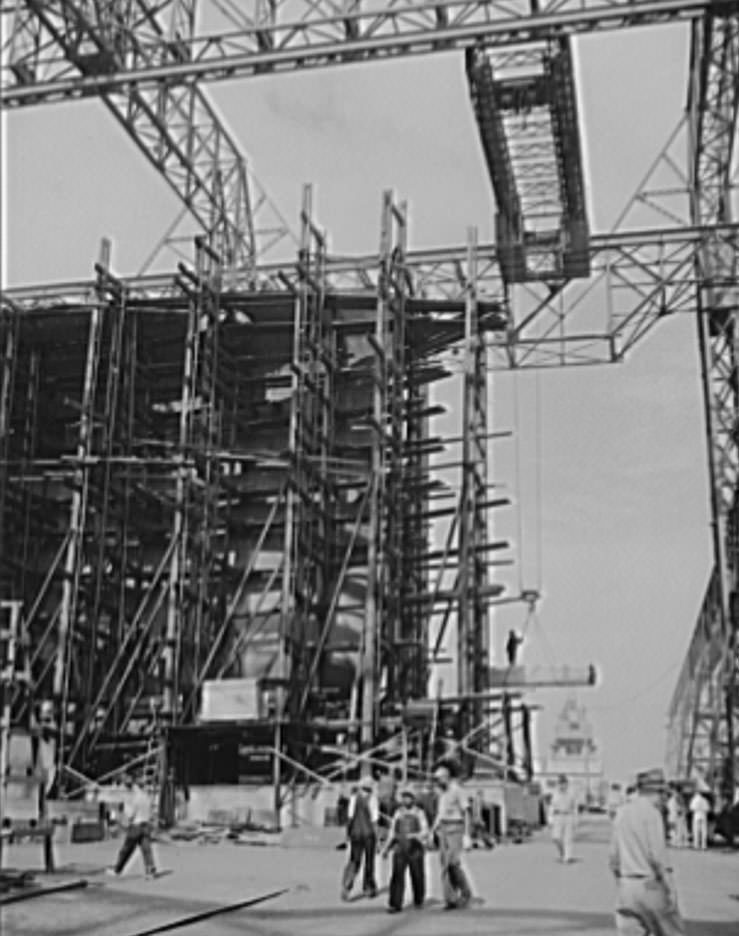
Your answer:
<point x="363" y="815"/>
<point x="137" y="812"/>
<point x="408" y="836"/>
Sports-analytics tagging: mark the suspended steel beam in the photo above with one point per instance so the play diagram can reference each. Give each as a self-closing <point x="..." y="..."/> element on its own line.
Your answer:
<point x="258" y="37"/>
<point x="541" y="677"/>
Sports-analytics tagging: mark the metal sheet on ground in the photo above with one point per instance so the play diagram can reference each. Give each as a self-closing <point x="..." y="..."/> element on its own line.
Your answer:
<point x="203" y="915"/>
<point x="31" y="892"/>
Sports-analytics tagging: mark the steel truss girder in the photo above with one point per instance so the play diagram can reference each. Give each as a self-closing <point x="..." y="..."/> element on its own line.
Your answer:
<point x="639" y="278"/>
<point x="705" y="708"/>
<point x="259" y="37"/>
<point x="528" y="124"/>
<point x="695" y="733"/>
<point x="177" y="128"/>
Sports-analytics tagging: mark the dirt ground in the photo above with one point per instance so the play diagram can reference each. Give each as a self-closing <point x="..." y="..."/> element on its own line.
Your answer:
<point x="520" y="890"/>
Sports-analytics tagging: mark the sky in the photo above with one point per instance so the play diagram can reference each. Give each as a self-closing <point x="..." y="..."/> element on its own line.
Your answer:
<point x="612" y="518"/>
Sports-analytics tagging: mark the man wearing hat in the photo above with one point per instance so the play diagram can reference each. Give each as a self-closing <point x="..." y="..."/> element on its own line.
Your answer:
<point x="362" y="817"/>
<point x="647" y="899"/>
<point x="451" y="827"/>
<point x="408" y="836"/>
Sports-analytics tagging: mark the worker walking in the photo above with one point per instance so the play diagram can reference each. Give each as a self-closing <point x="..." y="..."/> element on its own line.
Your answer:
<point x="699" y="820"/>
<point x="647" y="898"/>
<point x="562" y="819"/>
<point x="451" y="827"/>
<point x="137" y="813"/>
<point x="407" y="839"/>
<point x="362" y="815"/>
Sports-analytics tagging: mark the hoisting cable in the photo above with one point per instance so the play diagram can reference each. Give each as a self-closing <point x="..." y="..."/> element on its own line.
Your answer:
<point x="519" y="485"/>
<point x="539" y="510"/>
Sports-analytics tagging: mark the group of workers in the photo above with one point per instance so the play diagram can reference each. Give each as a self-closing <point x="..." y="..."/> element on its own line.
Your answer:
<point x="678" y="811"/>
<point x="647" y="896"/>
<point x="409" y="835"/>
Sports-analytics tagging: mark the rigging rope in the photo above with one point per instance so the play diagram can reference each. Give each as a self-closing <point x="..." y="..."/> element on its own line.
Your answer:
<point x="539" y="514"/>
<point x="519" y="486"/>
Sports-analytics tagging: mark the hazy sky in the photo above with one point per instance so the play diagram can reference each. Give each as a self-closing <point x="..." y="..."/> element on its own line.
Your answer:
<point x="624" y="502"/>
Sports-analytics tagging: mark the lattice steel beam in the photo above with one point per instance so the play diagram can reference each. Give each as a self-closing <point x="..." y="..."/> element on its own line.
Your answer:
<point x="176" y="127"/>
<point x="639" y="278"/>
<point x="526" y="112"/>
<point x="287" y="35"/>
<point x="705" y="709"/>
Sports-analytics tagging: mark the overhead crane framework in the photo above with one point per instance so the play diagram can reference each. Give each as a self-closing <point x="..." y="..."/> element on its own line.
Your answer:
<point x="241" y="479"/>
<point x="530" y="137"/>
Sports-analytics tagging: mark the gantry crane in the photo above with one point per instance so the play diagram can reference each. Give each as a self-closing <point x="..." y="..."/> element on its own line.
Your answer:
<point x="521" y="294"/>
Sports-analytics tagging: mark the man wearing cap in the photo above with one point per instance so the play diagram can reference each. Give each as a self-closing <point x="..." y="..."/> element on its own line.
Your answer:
<point x="562" y="819"/>
<point x="362" y="817"/>
<point x="647" y="899"/>
<point x="408" y="836"/>
<point x="451" y="826"/>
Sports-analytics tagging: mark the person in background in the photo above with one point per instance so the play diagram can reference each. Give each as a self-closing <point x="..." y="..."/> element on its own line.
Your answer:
<point x="681" y="825"/>
<point x="342" y="813"/>
<point x="672" y="817"/>
<point x="451" y="827"/>
<point x="479" y="815"/>
<point x="407" y="838"/>
<point x="699" y="820"/>
<point x="563" y="810"/>
<point x="387" y="786"/>
<point x="615" y="799"/>
<point x="363" y="814"/>
<point x="511" y="648"/>
<point x="137" y="813"/>
<point x="647" y="898"/>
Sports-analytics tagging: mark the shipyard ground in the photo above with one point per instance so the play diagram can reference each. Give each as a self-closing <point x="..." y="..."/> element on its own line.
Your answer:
<point x="522" y="891"/>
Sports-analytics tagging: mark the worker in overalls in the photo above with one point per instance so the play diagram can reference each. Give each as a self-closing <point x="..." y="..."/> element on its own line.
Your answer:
<point x="647" y="897"/>
<point x="407" y="839"/>
<point x="362" y="815"/>
<point x="562" y="819"/>
<point x="451" y="827"/>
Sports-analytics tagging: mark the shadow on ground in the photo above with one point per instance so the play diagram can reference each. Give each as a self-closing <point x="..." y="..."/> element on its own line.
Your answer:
<point x="129" y="914"/>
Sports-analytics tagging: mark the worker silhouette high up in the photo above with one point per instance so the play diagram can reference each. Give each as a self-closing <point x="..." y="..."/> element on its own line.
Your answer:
<point x="511" y="648"/>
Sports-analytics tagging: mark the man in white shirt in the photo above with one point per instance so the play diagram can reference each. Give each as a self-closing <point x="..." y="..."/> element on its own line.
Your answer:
<point x="699" y="820"/>
<point x="562" y="814"/>
<point x="451" y="826"/>
<point x="647" y="899"/>
<point x="362" y="817"/>
<point x="137" y="813"/>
